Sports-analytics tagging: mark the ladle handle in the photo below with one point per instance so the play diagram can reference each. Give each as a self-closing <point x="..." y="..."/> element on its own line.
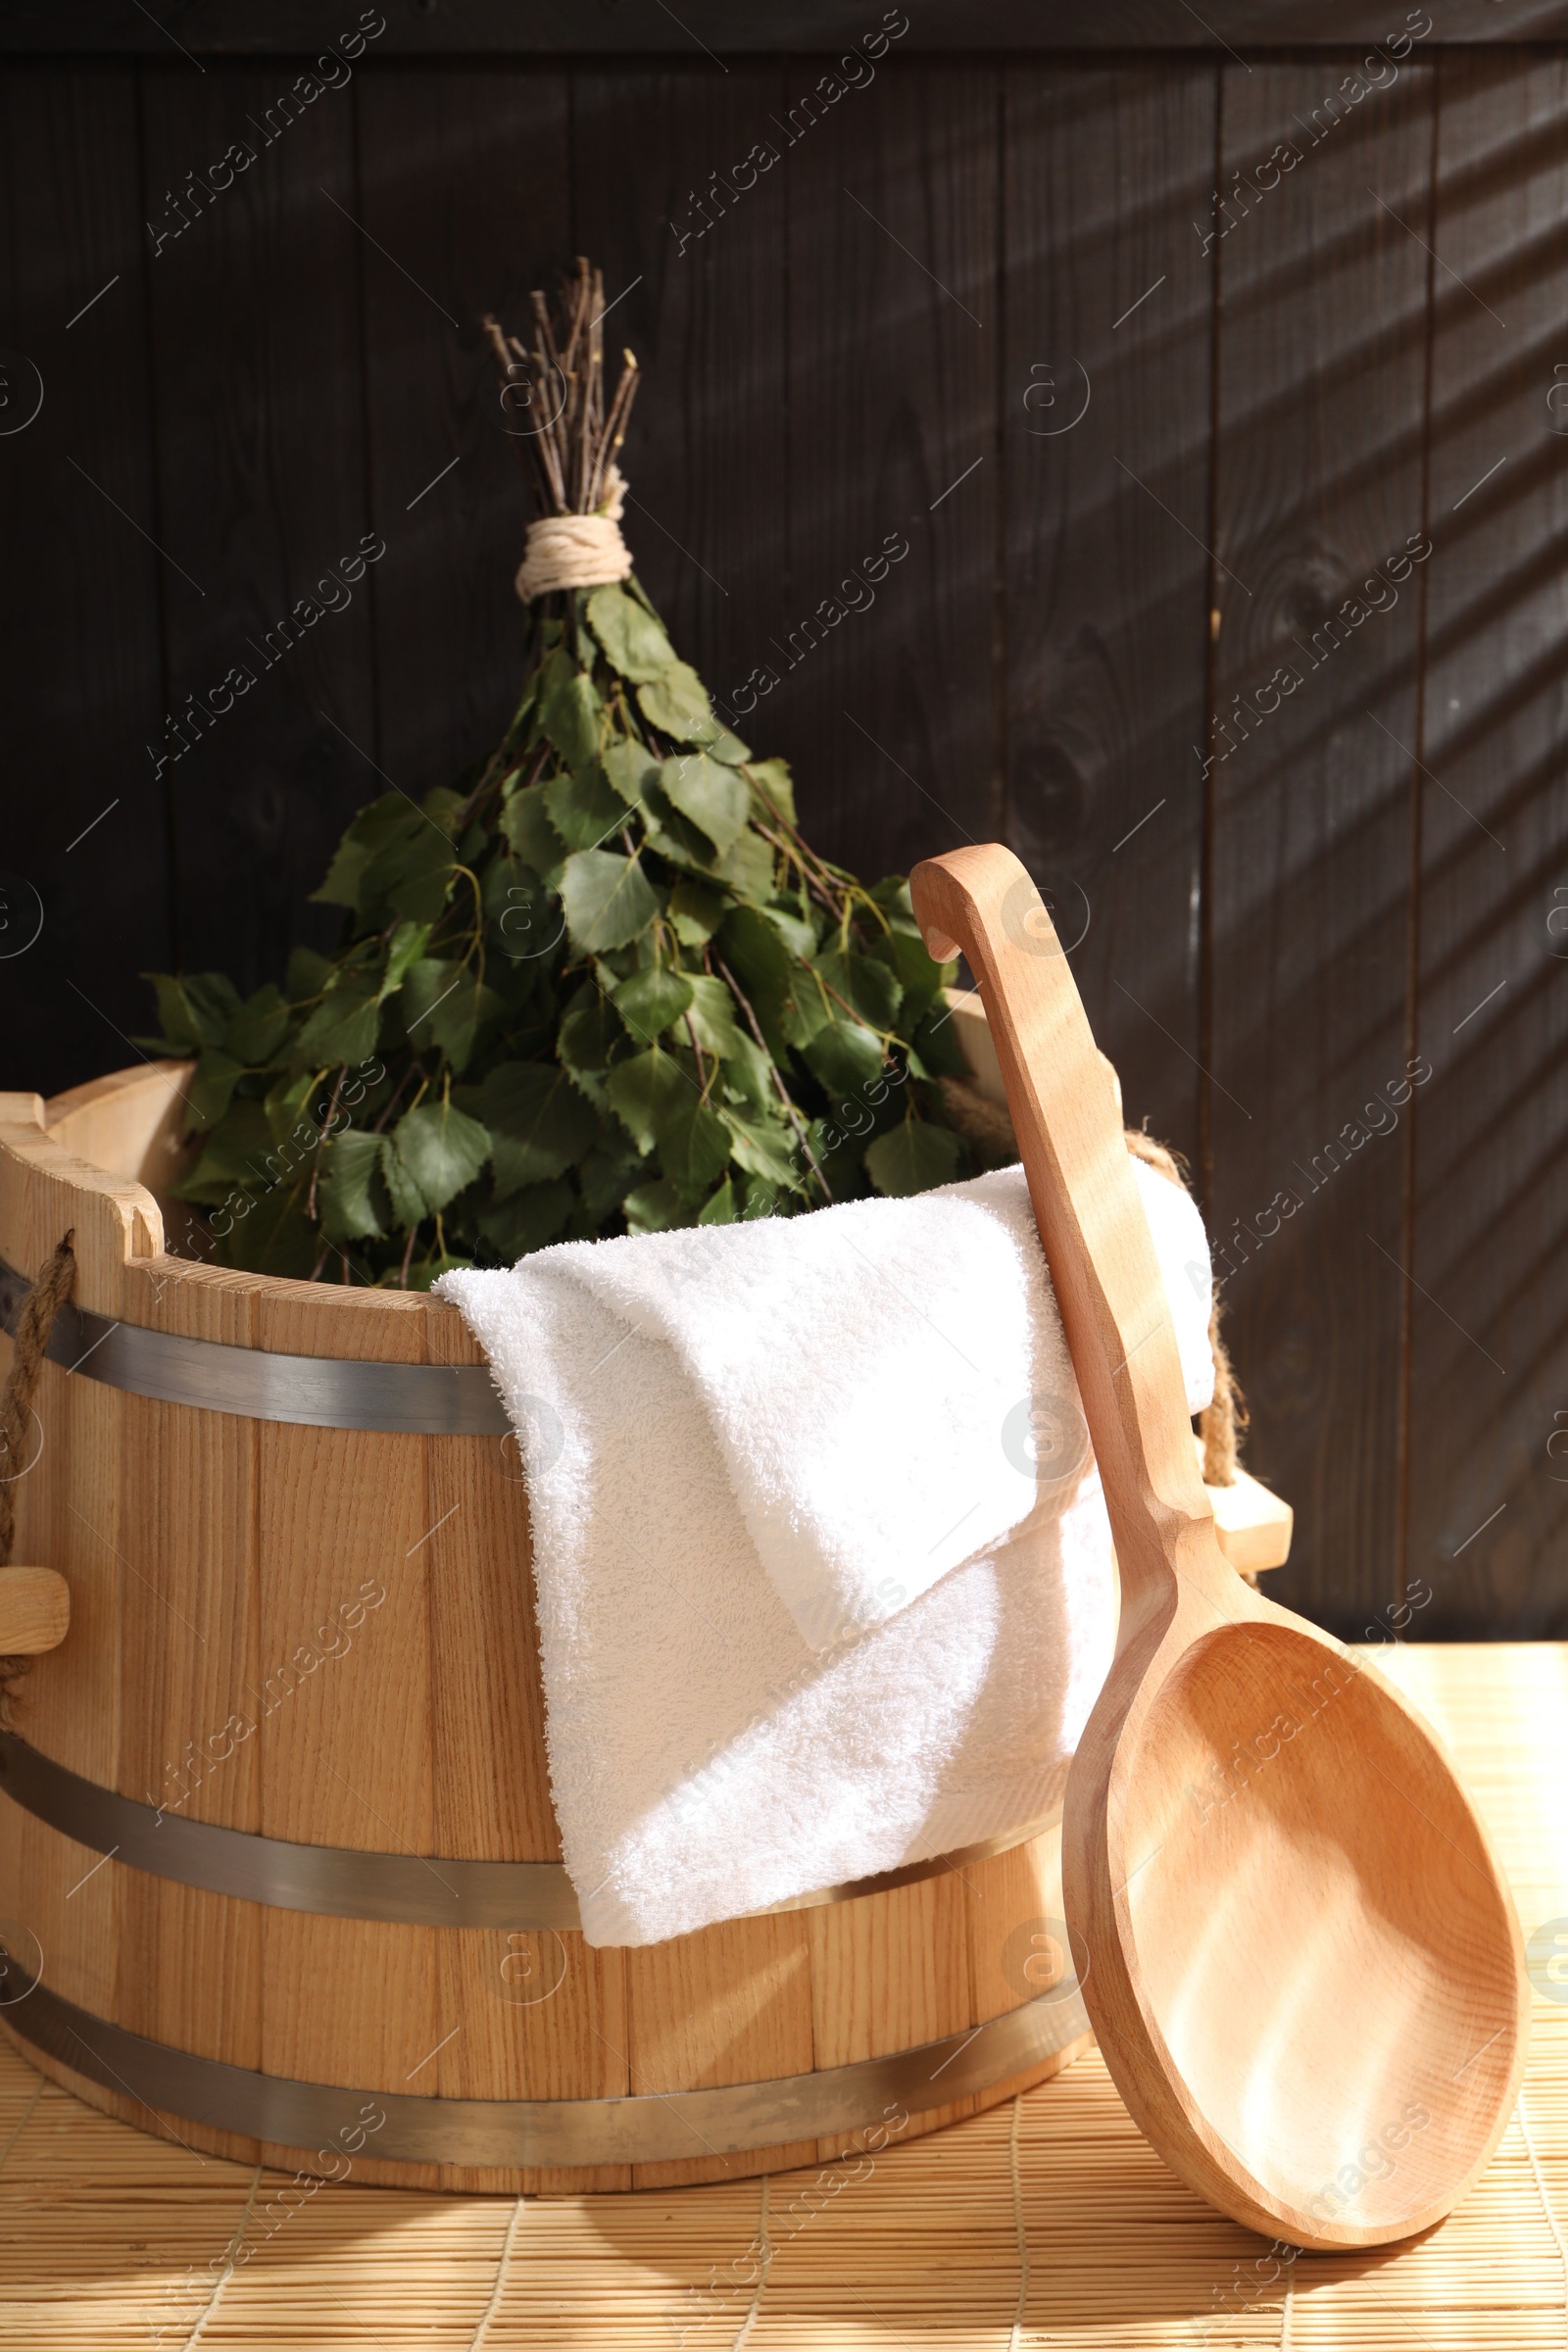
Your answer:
<point x="1098" y="1245"/>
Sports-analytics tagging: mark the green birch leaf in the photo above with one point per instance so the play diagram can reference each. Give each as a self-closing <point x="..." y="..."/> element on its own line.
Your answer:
<point x="590" y="1030"/>
<point x="753" y="950"/>
<point x="609" y="900"/>
<point x="913" y="1157"/>
<point x="526" y="917"/>
<point x="630" y="770"/>
<point x="440" y="1151"/>
<point x="342" y="1028"/>
<point x="720" y="1208"/>
<point x="428" y="984"/>
<point x="444" y="1005"/>
<point x="774" y="789"/>
<point x="649" y="1002"/>
<point x="605" y="1176"/>
<point x="366" y="859"/>
<point x="767" y="1149"/>
<point x="405" y="848"/>
<point x="936" y="1041"/>
<point x="528" y="1220"/>
<point x="714" y="1016"/>
<point x="892" y="895"/>
<point x="197" y="1009"/>
<point x="229" y="1153"/>
<point x="425" y="886"/>
<point x="646" y="1092"/>
<point x="809" y="1011"/>
<point x="466" y="1022"/>
<point x="555" y="671"/>
<point x="634" y="642"/>
<point x="714" y="798"/>
<point x="344" y="876"/>
<point x="674" y="836"/>
<point x="525" y="707"/>
<point x="409" y="1204"/>
<point x="758" y="1197"/>
<point x="845" y="1056"/>
<point x="259" y="1027"/>
<point x="656" y="1207"/>
<point x="582" y="808"/>
<point x="539" y="1124"/>
<point x="919" y="975"/>
<point x="837" y="1148"/>
<point x="677" y="705"/>
<point x="526" y="824"/>
<point x="871" y="988"/>
<point x="306" y="974"/>
<point x="405" y="948"/>
<point x="414" y="875"/>
<point x="274" y="1238"/>
<point x="617" y="964"/>
<point x="693" y="1146"/>
<point x="746" y="865"/>
<point x="354" y="1202"/>
<point x="284" y="1102"/>
<point x="796" y="932"/>
<point x="209" y="1091"/>
<point x="695" y="911"/>
<point x="570" y="715"/>
<point x="748" y="1075"/>
<point x="442" y="807"/>
<point x="722" y="745"/>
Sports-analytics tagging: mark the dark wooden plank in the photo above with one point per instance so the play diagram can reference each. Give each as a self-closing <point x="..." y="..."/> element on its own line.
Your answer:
<point x="1490" y="1386"/>
<point x="295" y="27"/>
<point x="890" y="715"/>
<point x="81" y="584"/>
<point x="262" y="493"/>
<point x="1109" y="303"/>
<point x="464" y="178"/>
<point x="1321" y="379"/>
<point x="698" y="291"/>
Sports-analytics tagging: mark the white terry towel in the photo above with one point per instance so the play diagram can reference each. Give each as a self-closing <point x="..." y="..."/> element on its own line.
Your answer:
<point x="825" y="1582"/>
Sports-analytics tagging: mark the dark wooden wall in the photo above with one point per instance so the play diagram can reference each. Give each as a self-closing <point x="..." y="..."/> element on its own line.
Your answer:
<point x="894" y="331"/>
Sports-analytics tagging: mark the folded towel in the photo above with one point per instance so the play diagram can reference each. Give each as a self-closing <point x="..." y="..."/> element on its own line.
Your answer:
<point x="825" y="1582"/>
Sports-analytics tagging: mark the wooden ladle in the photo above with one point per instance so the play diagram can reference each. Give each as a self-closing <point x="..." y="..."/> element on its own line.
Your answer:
<point x="1296" y="1948"/>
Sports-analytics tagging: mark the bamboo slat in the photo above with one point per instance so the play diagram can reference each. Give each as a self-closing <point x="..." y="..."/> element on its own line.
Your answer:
<point x="1047" y="2222"/>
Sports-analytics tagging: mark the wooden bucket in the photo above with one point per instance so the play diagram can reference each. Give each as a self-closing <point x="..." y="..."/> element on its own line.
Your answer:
<point x="278" y="1869"/>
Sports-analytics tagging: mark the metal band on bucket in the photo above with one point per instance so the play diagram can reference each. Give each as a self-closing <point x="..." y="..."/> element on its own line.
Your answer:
<point x="323" y="1391"/>
<point x="342" y="1881"/>
<point x="644" y="2129"/>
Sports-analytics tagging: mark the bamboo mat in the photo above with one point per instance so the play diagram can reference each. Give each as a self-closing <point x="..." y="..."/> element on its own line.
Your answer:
<point x="1047" y="2222"/>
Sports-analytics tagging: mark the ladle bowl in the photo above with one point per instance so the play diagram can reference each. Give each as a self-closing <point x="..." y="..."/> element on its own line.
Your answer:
<point x="1298" y="1953"/>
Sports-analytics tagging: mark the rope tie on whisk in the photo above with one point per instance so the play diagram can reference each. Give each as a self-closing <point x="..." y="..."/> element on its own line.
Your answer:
<point x="1219" y="1422"/>
<point x="35" y="1324"/>
<point x="577" y="551"/>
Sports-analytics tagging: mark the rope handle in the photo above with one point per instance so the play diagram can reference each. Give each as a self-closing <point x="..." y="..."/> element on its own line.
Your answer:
<point x="1219" y="1421"/>
<point x="34" y="1604"/>
<point x="988" y="1125"/>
